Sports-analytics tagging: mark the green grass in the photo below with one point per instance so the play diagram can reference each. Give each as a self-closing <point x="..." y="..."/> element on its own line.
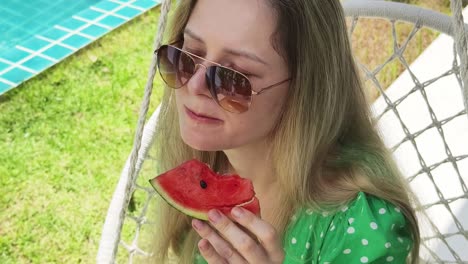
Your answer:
<point x="64" y="138"/>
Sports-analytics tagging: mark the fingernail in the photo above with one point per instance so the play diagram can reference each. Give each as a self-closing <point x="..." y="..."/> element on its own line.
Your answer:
<point x="203" y="244"/>
<point x="237" y="212"/>
<point x="197" y="224"/>
<point x="214" y="216"/>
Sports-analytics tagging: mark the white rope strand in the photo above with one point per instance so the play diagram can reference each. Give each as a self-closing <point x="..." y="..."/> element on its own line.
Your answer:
<point x="166" y="5"/>
<point x="110" y="238"/>
<point x="460" y="42"/>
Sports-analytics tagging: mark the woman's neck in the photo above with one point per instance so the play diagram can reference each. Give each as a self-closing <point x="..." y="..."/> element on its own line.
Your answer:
<point x="253" y="162"/>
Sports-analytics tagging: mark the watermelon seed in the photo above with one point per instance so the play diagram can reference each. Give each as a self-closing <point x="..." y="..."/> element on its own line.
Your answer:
<point x="203" y="184"/>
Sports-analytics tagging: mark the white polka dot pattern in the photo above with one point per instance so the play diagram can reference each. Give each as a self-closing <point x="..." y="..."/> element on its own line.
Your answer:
<point x="364" y="231"/>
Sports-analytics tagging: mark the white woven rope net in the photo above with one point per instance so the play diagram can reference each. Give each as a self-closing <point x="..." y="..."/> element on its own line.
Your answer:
<point x="409" y="135"/>
<point x="428" y="134"/>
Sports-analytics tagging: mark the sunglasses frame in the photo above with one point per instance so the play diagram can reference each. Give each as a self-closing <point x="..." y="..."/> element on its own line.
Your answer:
<point x="191" y="56"/>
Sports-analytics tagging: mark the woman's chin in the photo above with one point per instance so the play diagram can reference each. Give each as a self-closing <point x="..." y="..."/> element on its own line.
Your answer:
<point x="202" y="144"/>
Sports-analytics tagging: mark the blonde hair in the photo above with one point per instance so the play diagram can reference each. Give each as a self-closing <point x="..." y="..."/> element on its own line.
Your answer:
<point x="325" y="148"/>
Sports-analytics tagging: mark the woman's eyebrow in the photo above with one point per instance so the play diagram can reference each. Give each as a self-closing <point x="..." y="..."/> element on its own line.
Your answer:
<point x="244" y="54"/>
<point x="191" y="34"/>
<point x="240" y="53"/>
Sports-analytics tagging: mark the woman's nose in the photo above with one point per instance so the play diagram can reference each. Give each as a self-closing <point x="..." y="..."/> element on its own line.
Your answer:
<point x="197" y="84"/>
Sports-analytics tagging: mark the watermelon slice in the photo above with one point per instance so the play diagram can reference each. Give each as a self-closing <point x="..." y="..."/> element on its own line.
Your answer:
<point x="194" y="189"/>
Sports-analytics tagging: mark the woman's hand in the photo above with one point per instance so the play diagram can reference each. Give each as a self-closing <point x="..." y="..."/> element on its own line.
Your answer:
<point x="225" y="242"/>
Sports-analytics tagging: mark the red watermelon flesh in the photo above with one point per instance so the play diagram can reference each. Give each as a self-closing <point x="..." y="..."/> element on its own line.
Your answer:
<point x="194" y="189"/>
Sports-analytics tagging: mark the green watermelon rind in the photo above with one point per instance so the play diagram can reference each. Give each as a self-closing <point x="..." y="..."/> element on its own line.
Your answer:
<point x="193" y="213"/>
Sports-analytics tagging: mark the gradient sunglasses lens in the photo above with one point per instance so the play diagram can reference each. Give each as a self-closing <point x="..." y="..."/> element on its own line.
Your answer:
<point x="175" y="67"/>
<point x="231" y="89"/>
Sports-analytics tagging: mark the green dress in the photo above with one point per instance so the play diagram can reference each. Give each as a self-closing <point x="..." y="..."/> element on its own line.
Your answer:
<point x="368" y="230"/>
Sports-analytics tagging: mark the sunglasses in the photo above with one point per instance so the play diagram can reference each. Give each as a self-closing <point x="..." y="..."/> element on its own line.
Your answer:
<point x="229" y="88"/>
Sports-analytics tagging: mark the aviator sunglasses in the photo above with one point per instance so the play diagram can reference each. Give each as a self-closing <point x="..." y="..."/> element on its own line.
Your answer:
<point x="230" y="89"/>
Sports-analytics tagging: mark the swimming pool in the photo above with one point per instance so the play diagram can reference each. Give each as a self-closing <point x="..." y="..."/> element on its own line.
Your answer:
<point x="34" y="35"/>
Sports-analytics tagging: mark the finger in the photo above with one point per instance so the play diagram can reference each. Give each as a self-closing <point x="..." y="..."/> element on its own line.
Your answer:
<point x="209" y="253"/>
<point x="219" y="245"/>
<point x="265" y="232"/>
<point x="247" y="246"/>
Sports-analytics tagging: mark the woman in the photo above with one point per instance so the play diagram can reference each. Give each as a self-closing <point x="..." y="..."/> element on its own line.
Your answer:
<point x="268" y="89"/>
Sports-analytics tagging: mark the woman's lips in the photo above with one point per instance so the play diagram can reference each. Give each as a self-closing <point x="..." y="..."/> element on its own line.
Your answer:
<point x="200" y="117"/>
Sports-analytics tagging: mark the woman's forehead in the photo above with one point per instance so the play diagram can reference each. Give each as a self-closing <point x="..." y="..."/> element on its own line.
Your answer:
<point x="242" y="23"/>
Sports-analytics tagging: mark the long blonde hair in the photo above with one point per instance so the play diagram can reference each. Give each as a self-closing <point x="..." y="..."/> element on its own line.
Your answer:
<point x="325" y="147"/>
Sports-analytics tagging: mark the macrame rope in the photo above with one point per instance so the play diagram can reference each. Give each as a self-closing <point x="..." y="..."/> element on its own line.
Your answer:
<point x="165" y="8"/>
<point x="460" y="42"/>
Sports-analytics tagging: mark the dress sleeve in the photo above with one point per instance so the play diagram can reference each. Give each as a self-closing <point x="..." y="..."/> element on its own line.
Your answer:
<point x="370" y="230"/>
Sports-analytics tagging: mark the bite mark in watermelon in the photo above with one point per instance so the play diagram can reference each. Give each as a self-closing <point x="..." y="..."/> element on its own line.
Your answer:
<point x="194" y="189"/>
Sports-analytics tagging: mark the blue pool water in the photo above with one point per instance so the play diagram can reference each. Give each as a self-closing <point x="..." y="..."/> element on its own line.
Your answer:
<point x="36" y="34"/>
<point x="21" y="20"/>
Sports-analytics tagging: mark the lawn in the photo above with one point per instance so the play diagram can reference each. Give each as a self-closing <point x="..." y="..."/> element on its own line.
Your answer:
<point x="65" y="136"/>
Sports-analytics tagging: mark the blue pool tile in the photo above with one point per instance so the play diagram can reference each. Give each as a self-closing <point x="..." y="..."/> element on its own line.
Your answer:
<point x="17" y="9"/>
<point x="90" y="14"/>
<point x="3" y="66"/>
<point x="60" y="12"/>
<point x="25" y="11"/>
<point x="4" y="26"/>
<point x="112" y="21"/>
<point x="15" y="36"/>
<point x="42" y="2"/>
<point x="4" y="87"/>
<point x="37" y="63"/>
<point x="76" y="41"/>
<point x="106" y="5"/>
<point x="128" y="12"/>
<point x="16" y="75"/>
<point x="31" y="27"/>
<point x="14" y="55"/>
<point x="72" y="24"/>
<point x="54" y="33"/>
<point x="35" y="44"/>
<point x="94" y="31"/>
<point x="7" y="28"/>
<point x="144" y="3"/>
<point x="57" y="52"/>
<point x="52" y="10"/>
<point x="8" y="16"/>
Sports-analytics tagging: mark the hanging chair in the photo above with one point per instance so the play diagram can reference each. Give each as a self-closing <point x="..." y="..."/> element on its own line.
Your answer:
<point x="422" y="117"/>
